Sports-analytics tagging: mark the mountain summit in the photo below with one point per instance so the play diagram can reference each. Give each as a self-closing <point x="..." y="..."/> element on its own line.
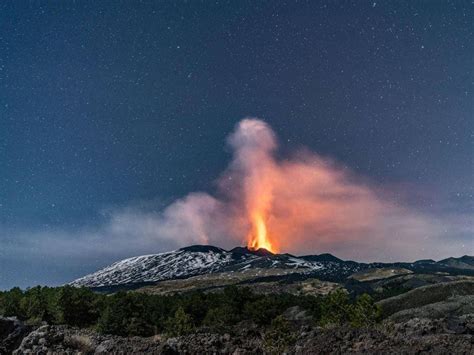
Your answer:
<point x="246" y="250"/>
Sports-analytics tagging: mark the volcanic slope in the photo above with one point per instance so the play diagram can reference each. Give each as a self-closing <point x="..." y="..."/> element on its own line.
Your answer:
<point x="191" y="261"/>
<point x="205" y="259"/>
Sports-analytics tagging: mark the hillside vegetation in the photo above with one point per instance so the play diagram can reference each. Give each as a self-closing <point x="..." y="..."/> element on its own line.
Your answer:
<point x="131" y="313"/>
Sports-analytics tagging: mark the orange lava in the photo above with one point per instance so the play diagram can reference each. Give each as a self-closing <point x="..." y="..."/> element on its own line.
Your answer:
<point x="258" y="236"/>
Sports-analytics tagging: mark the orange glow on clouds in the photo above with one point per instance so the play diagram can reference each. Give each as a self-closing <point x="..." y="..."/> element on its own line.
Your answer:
<point x="300" y="204"/>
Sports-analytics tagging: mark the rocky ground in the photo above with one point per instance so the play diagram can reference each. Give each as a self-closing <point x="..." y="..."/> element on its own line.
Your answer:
<point x="417" y="336"/>
<point x="439" y="336"/>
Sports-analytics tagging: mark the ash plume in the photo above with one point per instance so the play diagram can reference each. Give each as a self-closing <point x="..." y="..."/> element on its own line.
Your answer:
<point x="308" y="204"/>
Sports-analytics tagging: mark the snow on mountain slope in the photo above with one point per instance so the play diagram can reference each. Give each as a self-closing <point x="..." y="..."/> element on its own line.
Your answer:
<point x="187" y="262"/>
<point x="202" y="259"/>
<point x="155" y="267"/>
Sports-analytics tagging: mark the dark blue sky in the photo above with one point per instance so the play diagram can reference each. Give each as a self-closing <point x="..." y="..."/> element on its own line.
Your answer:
<point x="112" y="103"/>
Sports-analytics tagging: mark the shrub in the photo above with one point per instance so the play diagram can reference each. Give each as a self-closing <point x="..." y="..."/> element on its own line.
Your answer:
<point x="279" y="336"/>
<point x="81" y="343"/>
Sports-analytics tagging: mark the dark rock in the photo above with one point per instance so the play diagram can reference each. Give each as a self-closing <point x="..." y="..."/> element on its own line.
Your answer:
<point x="203" y="249"/>
<point x="12" y="332"/>
<point x="417" y="335"/>
<point x="456" y="325"/>
<point x="297" y="315"/>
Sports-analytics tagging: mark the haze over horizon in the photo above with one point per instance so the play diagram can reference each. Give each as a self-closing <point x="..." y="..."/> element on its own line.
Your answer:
<point x="135" y="128"/>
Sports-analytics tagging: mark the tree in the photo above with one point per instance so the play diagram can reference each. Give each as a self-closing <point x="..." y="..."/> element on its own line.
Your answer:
<point x="180" y="324"/>
<point x="126" y="314"/>
<point x="335" y="308"/>
<point x="263" y="310"/>
<point x="220" y="317"/>
<point x="10" y="303"/>
<point x="364" y="312"/>
<point x="196" y="305"/>
<point x="77" y="306"/>
<point x="33" y="305"/>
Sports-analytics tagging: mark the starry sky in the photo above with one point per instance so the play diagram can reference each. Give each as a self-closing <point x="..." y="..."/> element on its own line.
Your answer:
<point x="112" y="104"/>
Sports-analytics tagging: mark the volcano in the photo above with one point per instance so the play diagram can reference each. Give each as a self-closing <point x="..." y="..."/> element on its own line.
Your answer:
<point x="207" y="259"/>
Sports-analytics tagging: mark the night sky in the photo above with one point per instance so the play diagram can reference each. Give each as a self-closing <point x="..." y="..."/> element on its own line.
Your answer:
<point x="110" y="105"/>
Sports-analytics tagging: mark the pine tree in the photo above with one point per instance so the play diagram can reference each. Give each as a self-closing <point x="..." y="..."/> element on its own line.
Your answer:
<point x="180" y="324"/>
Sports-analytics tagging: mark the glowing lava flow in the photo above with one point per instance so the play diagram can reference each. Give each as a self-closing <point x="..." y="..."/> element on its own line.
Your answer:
<point x="258" y="237"/>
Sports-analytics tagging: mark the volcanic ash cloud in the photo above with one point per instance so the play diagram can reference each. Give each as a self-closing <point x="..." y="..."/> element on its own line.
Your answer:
<point x="301" y="204"/>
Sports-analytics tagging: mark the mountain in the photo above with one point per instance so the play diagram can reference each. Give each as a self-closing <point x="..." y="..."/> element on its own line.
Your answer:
<point x="464" y="262"/>
<point x="206" y="259"/>
<point x="191" y="261"/>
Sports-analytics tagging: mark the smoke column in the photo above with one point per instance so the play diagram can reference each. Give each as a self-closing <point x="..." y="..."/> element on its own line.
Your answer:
<point x="301" y="204"/>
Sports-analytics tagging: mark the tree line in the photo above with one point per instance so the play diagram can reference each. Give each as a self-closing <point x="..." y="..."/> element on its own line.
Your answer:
<point x="141" y="314"/>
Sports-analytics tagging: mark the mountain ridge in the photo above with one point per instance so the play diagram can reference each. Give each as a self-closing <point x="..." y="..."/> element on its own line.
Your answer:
<point x="196" y="260"/>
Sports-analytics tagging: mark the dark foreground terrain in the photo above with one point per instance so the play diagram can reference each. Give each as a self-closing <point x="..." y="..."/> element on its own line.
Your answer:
<point x="441" y="336"/>
<point x="436" y="318"/>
